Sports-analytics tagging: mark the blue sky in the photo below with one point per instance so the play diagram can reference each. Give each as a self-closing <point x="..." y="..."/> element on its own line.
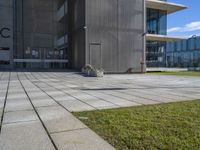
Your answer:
<point x="185" y="22"/>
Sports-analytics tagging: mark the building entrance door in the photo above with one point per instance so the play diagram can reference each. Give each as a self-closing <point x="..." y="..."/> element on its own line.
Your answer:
<point x="43" y="58"/>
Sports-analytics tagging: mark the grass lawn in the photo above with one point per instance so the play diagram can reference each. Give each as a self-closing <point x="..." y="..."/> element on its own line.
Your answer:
<point x="177" y="73"/>
<point x="165" y="126"/>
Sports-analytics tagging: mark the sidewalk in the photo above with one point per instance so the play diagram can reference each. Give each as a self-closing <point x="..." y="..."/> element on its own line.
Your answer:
<point x="35" y="107"/>
<point x="34" y="121"/>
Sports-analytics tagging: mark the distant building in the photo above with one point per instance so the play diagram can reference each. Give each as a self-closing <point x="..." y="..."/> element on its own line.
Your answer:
<point x="183" y="53"/>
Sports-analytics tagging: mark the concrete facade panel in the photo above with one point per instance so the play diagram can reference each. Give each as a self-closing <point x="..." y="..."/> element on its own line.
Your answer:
<point x="6" y="31"/>
<point x="5" y="3"/>
<point x="117" y="26"/>
<point x="38" y="21"/>
<point x="77" y="40"/>
<point x="45" y="5"/>
<point x="35" y="27"/>
<point x="101" y="22"/>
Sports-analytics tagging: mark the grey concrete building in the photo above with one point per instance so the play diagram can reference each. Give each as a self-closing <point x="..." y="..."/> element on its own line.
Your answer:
<point x="56" y="34"/>
<point x="108" y="34"/>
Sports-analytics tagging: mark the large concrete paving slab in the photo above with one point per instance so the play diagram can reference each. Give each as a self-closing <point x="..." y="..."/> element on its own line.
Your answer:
<point x="19" y="116"/>
<point x="142" y="98"/>
<point x="64" y="97"/>
<point x="44" y="102"/>
<point x="16" y="95"/>
<point x="93" y="101"/>
<point x="136" y="88"/>
<point x="84" y="139"/>
<point x="57" y="119"/>
<point x="38" y="105"/>
<point x="113" y="99"/>
<point x="37" y="94"/>
<point x="18" y="104"/>
<point x="131" y="97"/>
<point x="76" y="105"/>
<point x="1" y="104"/>
<point x="24" y="136"/>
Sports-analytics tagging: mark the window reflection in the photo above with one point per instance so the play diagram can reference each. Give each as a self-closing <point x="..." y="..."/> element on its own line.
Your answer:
<point x="185" y="53"/>
<point x="156" y="21"/>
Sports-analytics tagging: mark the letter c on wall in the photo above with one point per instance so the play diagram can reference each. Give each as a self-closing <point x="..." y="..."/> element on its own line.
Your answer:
<point x="4" y="32"/>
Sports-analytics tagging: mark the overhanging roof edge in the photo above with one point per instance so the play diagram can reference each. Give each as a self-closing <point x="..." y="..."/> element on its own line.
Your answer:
<point x="162" y="5"/>
<point x="164" y="38"/>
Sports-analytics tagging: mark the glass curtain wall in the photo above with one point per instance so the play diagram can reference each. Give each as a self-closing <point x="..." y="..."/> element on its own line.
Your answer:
<point x="184" y="53"/>
<point x="156" y="24"/>
<point x="155" y="54"/>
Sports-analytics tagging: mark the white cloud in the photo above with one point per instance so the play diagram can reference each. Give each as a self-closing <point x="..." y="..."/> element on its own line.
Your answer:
<point x="175" y="29"/>
<point x="193" y="26"/>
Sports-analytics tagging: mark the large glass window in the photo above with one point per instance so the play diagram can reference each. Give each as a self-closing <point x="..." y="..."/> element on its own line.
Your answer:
<point x="155" y="54"/>
<point x="178" y="45"/>
<point x="156" y="21"/>
<point x="156" y="24"/>
<point x="170" y="47"/>
<point x="198" y="43"/>
<point x="191" y="44"/>
<point x="184" y="45"/>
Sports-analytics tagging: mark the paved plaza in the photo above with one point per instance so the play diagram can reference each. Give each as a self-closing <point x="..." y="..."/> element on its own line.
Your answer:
<point x="35" y="107"/>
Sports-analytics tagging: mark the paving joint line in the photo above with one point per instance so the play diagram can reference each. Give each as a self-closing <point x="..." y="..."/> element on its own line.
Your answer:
<point x="93" y="96"/>
<point x="123" y="98"/>
<point x="62" y="92"/>
<point x="69" y="130"/>
<point x="143" y="97"/>
<point x="46" y="106"/>
<point x="82" y="92"/>
<point x="114" y="85"/>
<point x="178" y="94"/>
<point x="100" y="97"/>
<point x="104" y="99"/>
<point x="152" y="93"/>
<point x="47" y="93"/>
<point x="2" y="116"/>
<point x="123" y="92"/>
<point x="37" y="114"/>
<point x="59" y="105"/>
<point x="16" y="122"/>
<point x="18" y="110"/>
<point x="145" y="92"/>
